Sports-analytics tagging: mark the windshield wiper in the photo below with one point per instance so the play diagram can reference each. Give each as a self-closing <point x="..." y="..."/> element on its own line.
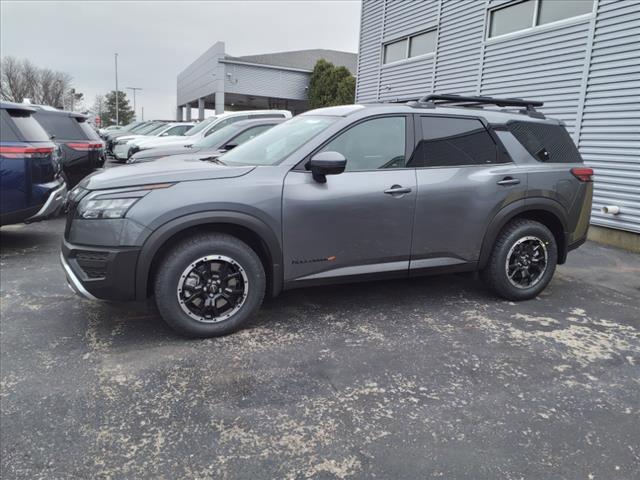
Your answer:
<point x="213" y="160"/>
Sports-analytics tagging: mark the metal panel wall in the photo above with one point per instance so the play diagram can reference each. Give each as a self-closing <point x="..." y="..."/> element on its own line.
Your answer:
<point x="270" y="82"/>
<point x="586" y="70"/>
<point x="610" y="131"/>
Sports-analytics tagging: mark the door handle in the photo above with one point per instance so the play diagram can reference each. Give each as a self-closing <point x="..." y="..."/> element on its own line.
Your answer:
<point x="509" y="181"/>
<point x="397" y="190"/>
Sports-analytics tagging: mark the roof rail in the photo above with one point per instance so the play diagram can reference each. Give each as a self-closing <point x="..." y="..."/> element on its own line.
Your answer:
<point x="478" y="101"/>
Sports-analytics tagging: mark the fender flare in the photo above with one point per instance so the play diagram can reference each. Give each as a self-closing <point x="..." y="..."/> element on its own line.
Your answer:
<point x="514" y="209"/>
<point x="159" y="237"/>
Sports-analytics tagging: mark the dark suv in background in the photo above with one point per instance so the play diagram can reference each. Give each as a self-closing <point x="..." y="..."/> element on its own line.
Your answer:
<point x="31" y="187"/>
<point x="80" y="149"/>
<point x="337" y="194"/>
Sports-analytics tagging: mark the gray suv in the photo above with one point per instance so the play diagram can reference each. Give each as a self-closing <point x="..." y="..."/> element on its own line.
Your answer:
<point x="442" y="184"/>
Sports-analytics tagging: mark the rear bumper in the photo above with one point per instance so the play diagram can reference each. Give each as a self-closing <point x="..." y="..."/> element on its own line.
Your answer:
<point x="100" y="273"/>
<point x="52" y="205"/>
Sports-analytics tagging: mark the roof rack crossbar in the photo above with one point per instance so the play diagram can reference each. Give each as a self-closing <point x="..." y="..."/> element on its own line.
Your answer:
<point x="480" y="100"/>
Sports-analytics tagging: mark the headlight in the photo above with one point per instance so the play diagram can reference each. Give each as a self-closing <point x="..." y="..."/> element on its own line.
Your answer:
<point x="105" y="208"/>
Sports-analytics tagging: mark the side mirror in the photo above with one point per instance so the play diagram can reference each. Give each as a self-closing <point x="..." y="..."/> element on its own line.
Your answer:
<point x="326" y="163"/>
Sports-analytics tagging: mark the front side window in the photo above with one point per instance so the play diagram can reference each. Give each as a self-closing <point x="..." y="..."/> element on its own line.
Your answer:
<point x="276" y="144"/>
<point x="223" y="123"/>
<point x="449" y="142"/>
<point x="522" y="15"/>
<point x="371" y="145"/>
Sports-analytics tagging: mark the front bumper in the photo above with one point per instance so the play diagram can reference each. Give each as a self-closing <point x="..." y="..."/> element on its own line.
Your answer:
<point x="100" y="273"/>
<point x="52" y="205"/>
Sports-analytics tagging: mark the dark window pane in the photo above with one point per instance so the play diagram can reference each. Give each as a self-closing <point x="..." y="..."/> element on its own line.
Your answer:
<point x="546" y="143"/>
<point x="512" y="18"/>
<point x="29" y="128"/>
<point x="7" y="133"/>
<point x="395" y="51"/>
<point x="552" y="11"/>
<point x="453" y="141"/>
<point x="88" y="131"/>
<point x="377" y="143"/>
<point x="422" y="44"/>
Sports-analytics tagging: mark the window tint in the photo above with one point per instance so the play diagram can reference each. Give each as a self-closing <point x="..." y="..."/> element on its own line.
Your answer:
<point x="422" y="44"/>
<point x="546" y="143"/>
<point x="176" y="130"/>
<point x="61" y="126"/>
<point x="395" y="51"/>
<point x="249" y="134"/>
<point x="512" y="18"/>
<point x="6" y="129"/>
<point x="448" y="141"/>
<point x="552" y="11"/>
<point x="374" y="144"/>
<point x="29" y="128"/>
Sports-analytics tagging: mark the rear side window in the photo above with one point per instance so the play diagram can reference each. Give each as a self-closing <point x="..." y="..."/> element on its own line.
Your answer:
<point x="449" y="142"/>
<point x="546" y="143"/>
<point x="87" y="130"/>
<point x="6" y="128"/>
<point x="27" y="126"/>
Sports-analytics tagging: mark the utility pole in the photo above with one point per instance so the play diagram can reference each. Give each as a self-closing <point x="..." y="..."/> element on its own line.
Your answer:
<point x="134" y="98"/>
<point x="117" y="101"/>
<point x="142" y="119"/>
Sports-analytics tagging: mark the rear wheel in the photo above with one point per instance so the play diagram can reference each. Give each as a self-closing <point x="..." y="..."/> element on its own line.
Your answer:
<point x="523" y="260"/>
<point x="209" y="285"/>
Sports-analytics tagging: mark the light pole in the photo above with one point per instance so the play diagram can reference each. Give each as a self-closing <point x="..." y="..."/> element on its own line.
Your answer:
<point x="117" y="102"/>
<point x="134" y="98"/>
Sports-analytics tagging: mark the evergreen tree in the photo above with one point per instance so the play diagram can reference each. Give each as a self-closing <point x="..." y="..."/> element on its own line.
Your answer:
<point x="330" y="85"/>
<point x="125" y="113"/>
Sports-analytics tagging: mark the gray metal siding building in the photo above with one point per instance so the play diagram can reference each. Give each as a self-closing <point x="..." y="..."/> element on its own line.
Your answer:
<point x="582" y="58"/>
<point x="272" y="80"/>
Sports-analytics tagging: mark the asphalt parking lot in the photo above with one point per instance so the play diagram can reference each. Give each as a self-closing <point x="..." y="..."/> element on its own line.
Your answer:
<point x="429" y="378"/>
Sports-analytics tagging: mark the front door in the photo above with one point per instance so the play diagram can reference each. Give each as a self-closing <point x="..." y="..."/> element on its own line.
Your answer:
<point x="358" y="223"/>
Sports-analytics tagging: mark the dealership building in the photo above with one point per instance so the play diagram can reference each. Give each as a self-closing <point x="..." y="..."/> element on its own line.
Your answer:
<point x="280" y="80"/>
<point x="581" y="57"/>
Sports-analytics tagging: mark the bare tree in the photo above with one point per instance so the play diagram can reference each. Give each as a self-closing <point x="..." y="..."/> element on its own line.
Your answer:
<point x="22" y="79"/>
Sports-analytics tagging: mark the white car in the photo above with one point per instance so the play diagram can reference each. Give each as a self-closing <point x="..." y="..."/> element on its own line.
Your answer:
<point x="206" y="128"/>
<point x="122" y="146"/>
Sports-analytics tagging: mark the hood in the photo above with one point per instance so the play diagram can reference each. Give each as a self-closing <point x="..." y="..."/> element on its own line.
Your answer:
<point x="198" y="156"/>
<point x="178" y="170"/>
<point x="157" y="152"/>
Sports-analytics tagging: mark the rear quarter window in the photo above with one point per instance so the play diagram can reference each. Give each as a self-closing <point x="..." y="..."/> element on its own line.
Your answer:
<point x="546" y="143"/>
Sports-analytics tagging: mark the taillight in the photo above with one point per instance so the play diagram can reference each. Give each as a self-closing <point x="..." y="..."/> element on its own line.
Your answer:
<point x="583" y="174"/>
<point x="85" y="147"/>
<point x="25" y="152"/>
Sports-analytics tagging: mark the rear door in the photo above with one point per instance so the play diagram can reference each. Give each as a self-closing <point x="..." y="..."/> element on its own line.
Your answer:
<point x="358" y="223"/>
<point x="463" y="180"/>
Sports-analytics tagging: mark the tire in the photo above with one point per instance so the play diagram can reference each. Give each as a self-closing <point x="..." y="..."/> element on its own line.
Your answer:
<point x="214" y="250"/>
<point x="516" y="236"/>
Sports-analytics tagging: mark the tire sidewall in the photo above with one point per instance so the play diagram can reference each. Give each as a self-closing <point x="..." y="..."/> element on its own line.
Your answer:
<point x="168" y="277"/>
<point x="502" y="282"/>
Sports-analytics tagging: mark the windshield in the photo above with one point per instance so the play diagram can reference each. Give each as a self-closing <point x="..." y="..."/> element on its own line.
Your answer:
<point x="217" y="138"/>
<point x="201" y="126"/>
<point x="158" y="129"/>
<point x="273" y="146"/>
<point x="149" y="128"/>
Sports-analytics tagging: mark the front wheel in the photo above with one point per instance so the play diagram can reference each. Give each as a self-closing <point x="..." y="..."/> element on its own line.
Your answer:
<point x="209" y="285"/>
<point x="523" y="260"/>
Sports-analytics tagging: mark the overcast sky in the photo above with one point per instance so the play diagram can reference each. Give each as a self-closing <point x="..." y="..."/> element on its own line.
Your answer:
<point x="157" y="40"/>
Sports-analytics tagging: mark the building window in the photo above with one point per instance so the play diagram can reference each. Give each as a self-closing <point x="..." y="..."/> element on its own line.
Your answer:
<point x="422" y="44"/>
<point x="531" y="13"/>
<point x="411" y="46"/>
<point x="395" y="51"/>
